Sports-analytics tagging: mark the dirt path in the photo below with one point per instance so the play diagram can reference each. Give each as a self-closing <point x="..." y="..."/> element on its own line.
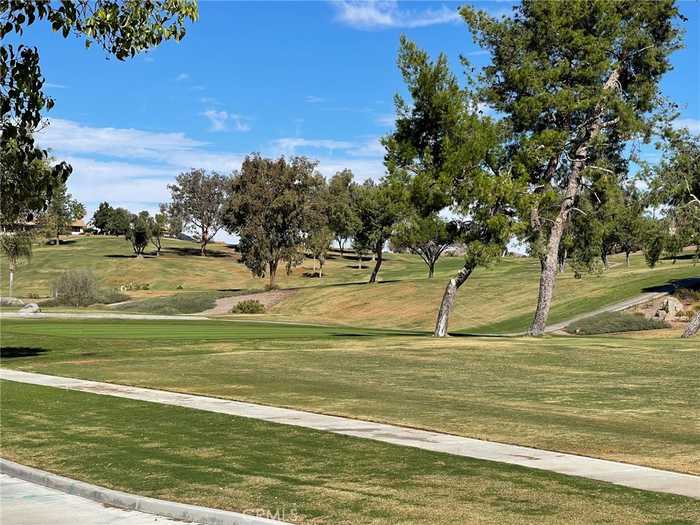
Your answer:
<point x="267" y="299"/>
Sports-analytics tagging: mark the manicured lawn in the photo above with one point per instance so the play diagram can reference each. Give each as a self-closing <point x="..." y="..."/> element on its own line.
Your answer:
<point x="181" y="269"/>
<point x="299" y="475"/>
<point x="625" y="398"/>
<point x="498" y="299"/>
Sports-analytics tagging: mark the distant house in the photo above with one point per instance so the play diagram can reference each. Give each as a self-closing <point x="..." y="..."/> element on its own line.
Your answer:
<point x="77" y="227"/>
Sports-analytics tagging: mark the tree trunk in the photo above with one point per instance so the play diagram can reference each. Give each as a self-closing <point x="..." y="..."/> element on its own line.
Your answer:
<point x="431" y="270"/>
<point x="627" y="259"/>
<point x="359" y="261"/>
<point x="11" y="271"/>
<point x="693" y="326"/>
<point x="548" y="275"/>
<point x="377" y="263"/>
<point x="273" y="272"/>
<point x="340" y="245"/>
<point x="550" y="260"/>
<point x="562" y="261"/>
<point x="448" y="300"/>
<point x="606" y="264"/>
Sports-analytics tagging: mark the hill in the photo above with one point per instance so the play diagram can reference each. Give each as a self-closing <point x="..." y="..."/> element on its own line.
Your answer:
<point x="497" y="299"/>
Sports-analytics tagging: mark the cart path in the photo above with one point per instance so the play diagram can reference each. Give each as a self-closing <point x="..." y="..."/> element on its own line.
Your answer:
<point x="625" y="474"/>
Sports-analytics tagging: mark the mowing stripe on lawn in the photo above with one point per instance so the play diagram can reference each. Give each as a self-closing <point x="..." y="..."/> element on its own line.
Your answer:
<point x="624" y="474"/>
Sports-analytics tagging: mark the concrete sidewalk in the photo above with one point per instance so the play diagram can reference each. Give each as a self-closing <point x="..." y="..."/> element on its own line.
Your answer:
<point x="24" y="503"/>
<point x="628" y="475"/>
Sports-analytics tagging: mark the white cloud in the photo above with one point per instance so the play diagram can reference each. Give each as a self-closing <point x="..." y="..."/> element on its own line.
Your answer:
<point x="311" y="99"/>
<point x="132" y="167"/>
<point x="387" y="14"/>
<point x="51" y="85"/>
<point x="387" y="120"/>
<point x="289" y="145"/>
<point x="182" y="77"/>
<point x="223" y="120"/>
<point x="692" y="124"/>
<point x="68" y="136"/>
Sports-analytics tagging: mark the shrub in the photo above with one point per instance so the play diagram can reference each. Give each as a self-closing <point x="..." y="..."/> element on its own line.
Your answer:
<point x="687" y="294"/>
<point x="81" y="288"/>
<point x="249" y="306"/>
<point x="614" y="322"/>
<point x="181" y="303"/>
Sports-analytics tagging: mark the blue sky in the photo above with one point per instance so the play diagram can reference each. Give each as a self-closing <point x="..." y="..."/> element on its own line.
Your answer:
<point x="279" y="78"/>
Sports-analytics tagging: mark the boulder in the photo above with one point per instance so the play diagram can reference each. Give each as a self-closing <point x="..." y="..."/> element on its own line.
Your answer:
<point x="672" y="306"/>
<point x="11" y="301"/>
<point x="31" y="308"/>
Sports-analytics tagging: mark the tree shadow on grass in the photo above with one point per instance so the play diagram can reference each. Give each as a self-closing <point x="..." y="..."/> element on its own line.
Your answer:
<point x="184" y="251"/>
<point x="672" y="285"/>
<point x="12" y="352"/>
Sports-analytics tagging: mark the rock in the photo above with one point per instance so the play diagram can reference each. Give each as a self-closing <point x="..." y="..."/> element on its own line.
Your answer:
<point x="672" y="307"/>
<point x="31" y="308"/>
<point x="661" y="315"/>
<point x="11" y="301"/>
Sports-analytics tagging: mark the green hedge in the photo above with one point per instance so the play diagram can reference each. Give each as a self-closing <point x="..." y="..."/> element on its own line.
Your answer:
<point x="614" y="322"/>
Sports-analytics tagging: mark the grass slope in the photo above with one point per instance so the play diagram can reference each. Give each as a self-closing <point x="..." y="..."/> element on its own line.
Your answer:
<point x="298" y="475"/>
<point x="499" y="299"/>
<point x="624" y="398"/>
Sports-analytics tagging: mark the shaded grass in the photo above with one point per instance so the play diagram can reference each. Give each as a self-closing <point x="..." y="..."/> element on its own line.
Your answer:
<point x="611" y="322"/>
<point x="300" y="475"/>
<point x="624" y="398"/>
<point x="180" y="303"/>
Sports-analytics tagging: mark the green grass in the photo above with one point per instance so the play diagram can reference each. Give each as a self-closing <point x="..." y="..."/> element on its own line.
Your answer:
<point x="180" y="303"/>
<point x="623" y="398"/>
<point x="612" y="322"/>
<point x="498" y="299"/>
<point x="300" y="475"/>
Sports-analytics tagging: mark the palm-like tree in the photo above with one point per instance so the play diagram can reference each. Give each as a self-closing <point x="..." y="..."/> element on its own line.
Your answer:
<point x="15" y="246"/>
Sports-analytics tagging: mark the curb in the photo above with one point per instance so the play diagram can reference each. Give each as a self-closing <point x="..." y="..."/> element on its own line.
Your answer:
<point x="123" y="500"/>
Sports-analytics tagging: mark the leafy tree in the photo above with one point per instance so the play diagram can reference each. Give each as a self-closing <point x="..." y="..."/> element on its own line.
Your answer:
<point x="318" y="242"/>
<point x="427" y="237"/>
<point x="586" y="235"/>
<point x="675" y="242"/>
<point x="122" y="29"/>
<point x="119" y="222"/>
<point x="102" y="217"/>
<point x="379" y="207"/>
<point x="318" y="235"/>
<point x="173" y="221"/>
<point x="571" y="77"/>
<point x="139" y="232"/>
<point x="15" y="246"/>
<point x="448" y="155"/>
<point x="342" y="220"/>
<point x="655" y="239"/>
<point x="676" y="184"/>
<point x="267" y="209"/>
<point x="199" y="199"/>
<point x="62" y="210"/>
<point x="158" y="226"/>
<point x="630" y="223"/>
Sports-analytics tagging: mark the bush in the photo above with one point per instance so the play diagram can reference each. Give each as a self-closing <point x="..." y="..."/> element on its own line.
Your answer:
<point x="249" y="306"/>
<point x="687" y="294"/>
<point x="181" y="303"/>
<point x="609" y="322"/>
<point x="81" y="288"/>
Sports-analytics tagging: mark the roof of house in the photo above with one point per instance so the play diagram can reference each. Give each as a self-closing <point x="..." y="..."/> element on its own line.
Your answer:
<point x="79" y="223"/>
